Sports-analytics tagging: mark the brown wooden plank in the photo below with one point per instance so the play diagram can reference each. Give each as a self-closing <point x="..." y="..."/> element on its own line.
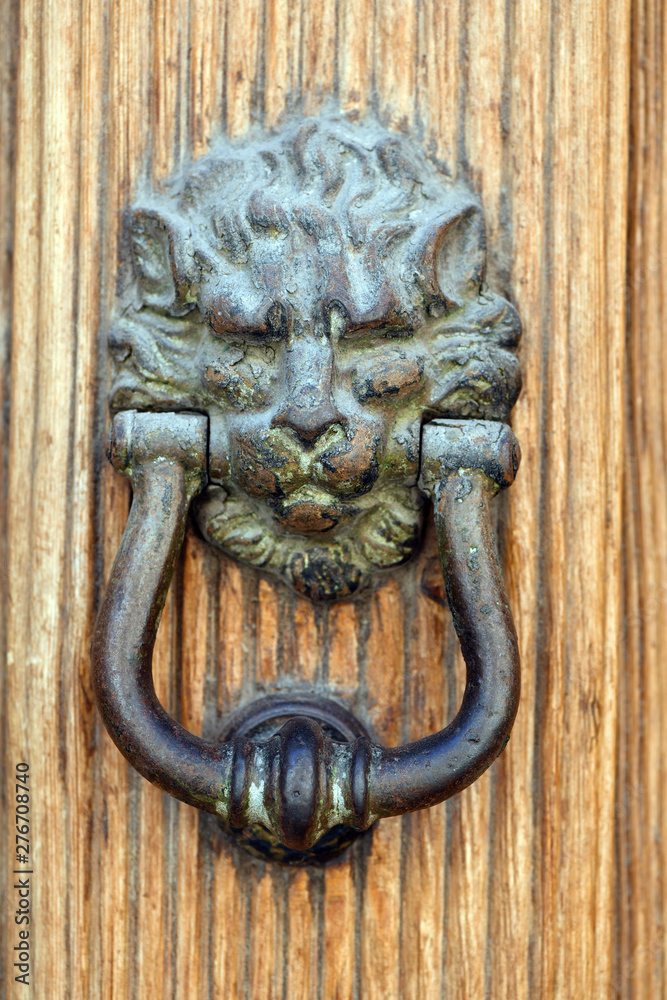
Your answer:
<point x="231" y="643"/>
<point x="342" y="648"/>
<point x="207" y="40"/>
<point x="640" y="966"/>
<point x="43" y="355"/>
<point x="395" y="60"/>
<point x="170" y="133"/>
<point x="301" y="971"/>
<point x="511" y="933"/>
<point x="228" y="910"/>
<point x="355" y="55"/>
<point x="243" y="65"/>
<point x="8" y="72"/>
<point x="483" y="121"/>
<point x="423" y="884"/>
<point x="282" y="58"/>
<point x="266" y="967"/>
<point x="338" y="945"/>
<point x="79" y="585"/>
<point x="381" y="910"/>
<point x="268" y="634"/>
<point x="339" y="905"/>
<point x="439" y="75"/>
<point x="302" y="640"/>
<point x="583" y="515"/>
<point x="319" y="58"/>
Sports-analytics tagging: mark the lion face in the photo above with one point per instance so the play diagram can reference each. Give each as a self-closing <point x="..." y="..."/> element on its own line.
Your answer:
<point x="320" y="295"/>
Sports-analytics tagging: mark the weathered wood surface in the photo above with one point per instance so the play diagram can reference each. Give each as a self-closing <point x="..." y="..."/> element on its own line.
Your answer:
<point x="545" y="879"/>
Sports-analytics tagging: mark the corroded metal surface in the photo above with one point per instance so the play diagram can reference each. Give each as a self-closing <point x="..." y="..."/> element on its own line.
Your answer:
<point x="318" y="293"/>
<point x="260" y="722"/>
<point x="300" y="783"/>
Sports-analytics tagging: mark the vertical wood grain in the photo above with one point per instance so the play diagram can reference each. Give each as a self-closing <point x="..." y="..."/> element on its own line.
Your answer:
<point x="40" y="527"/>
<point x="384" y="676"/>
<point x="8" y="82"/>
<point x="640" y="967"/>
<point x="517" y="860"/>
<point x="354" y="58"/>
<point x="339" y="906"/>
<point x="424" y="834"/>
<point x="547" y="878"/>
<point x="301" y="971"/>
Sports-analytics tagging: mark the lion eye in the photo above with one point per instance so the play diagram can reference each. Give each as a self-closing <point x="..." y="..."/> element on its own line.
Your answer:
<point x="395" y="375"/>
<point x="256" y="337"/>
<point x="242" y="338"/>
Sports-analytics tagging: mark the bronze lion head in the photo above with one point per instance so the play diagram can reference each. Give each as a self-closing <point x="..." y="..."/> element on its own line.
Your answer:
<point x="319" y="293"/>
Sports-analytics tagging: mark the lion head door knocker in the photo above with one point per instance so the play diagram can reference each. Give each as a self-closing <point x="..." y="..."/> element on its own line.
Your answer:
<point x="307" y="349"/>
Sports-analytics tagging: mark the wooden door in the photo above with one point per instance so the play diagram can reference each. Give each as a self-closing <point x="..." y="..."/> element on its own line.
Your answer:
<point x="547" y="877"/>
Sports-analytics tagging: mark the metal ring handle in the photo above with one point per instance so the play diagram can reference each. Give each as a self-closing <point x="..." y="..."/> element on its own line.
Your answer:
<point x="300" y="783"/>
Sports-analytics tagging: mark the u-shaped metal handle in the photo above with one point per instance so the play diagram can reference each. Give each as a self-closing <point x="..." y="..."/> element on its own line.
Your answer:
<point x="300" y="783"/>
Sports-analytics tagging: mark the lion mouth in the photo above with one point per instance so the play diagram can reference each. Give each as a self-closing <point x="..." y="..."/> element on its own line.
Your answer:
<point x="306" y="517"/>
<point x="308" y="511"/>
<point x="323" y="546"/>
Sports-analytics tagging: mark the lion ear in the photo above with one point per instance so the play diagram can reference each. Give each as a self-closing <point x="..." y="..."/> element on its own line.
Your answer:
<point x="452" y="256"/>
<point x="164" y="271"/>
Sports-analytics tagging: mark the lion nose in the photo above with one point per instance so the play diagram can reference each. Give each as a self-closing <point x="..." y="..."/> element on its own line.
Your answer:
<point x="307" y="406"/>
<point x="308" y="421"/>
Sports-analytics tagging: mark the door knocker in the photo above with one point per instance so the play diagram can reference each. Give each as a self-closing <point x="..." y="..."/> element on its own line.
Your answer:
<point x="306" y="351"/>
